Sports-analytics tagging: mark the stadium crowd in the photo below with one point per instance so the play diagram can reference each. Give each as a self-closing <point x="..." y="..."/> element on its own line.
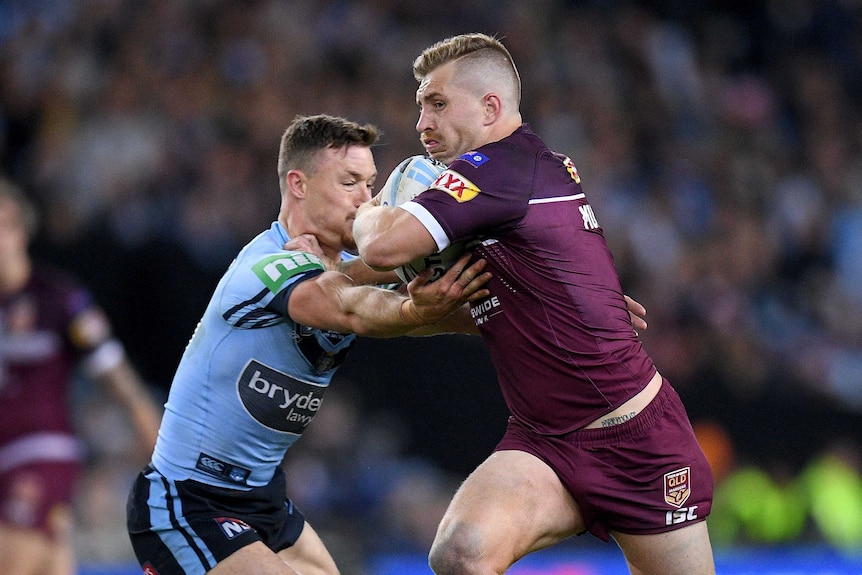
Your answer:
<point x="720" y="144"/>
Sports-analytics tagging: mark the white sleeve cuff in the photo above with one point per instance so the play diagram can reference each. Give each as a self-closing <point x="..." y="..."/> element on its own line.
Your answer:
<point x="430" y="223"/>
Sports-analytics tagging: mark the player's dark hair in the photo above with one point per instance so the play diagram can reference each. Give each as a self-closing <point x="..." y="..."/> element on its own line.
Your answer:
<point x="307" y="135"/>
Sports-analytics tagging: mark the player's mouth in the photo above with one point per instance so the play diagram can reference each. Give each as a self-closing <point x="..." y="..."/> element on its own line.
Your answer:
<point x="431" y="145"/>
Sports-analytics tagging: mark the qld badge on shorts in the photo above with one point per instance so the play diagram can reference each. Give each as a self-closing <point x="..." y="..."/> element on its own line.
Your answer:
<point x="677" y="486"/>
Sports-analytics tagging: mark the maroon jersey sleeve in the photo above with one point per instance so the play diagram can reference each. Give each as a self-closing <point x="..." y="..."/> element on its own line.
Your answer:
<point x="556" y="323"/>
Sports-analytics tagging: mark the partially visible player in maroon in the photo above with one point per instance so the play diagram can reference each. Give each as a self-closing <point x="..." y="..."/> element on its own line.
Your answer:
<point x="598" y="441"/>
<point x="49" y="325"/>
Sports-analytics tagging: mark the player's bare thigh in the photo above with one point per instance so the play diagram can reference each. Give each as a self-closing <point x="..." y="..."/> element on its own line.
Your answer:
<point x="511" y="505"/>
<point x="307" y="556"/>
<point x="685" y="551"/>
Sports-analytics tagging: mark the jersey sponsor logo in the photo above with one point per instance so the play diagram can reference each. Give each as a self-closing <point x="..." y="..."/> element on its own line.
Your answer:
<point x="456" y="186"/>
<point x="276" y="400"/>
<point x="276" y="269"/>
<point x="474" y="158"/>
<point x="573" y="171"/>
<point x="210" y="464"/>
<point x="232" y="527"/>
<point x="677" y="486"/>
<point x="482" y="310"/>
<point x="222" y="469"/>
<point x="680" y="515"/>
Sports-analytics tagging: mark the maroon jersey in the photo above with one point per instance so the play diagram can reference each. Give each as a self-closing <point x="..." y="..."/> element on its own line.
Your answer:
<point x="556" y="323"/>
<point x="44" y="330"/>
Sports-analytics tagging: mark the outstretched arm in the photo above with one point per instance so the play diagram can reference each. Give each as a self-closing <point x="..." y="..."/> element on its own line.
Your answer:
<point x="109" y="366"/>
<point x="357" y="269"/>
<point x="334" y="301"/>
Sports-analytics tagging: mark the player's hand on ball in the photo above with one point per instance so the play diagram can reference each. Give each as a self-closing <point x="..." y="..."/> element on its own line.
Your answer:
<point x="434" y="300"/>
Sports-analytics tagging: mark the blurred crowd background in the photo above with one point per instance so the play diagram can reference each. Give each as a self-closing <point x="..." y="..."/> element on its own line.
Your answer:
<point x="720" y="144"/>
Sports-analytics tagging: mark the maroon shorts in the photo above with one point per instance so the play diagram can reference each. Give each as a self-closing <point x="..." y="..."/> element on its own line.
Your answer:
<point x="647" y="475"/>
<point x="29" y="494"/>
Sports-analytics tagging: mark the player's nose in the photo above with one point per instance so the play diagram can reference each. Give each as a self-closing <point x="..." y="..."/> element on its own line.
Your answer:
<point x="365" y="194"/>
<point x="424" y="122"/>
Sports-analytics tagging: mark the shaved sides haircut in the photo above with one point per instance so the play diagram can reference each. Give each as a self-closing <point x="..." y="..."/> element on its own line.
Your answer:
<point x="480" y="58"/>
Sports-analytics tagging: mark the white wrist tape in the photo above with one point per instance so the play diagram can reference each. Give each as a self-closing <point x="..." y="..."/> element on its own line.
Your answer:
<point x="105" y="357"/>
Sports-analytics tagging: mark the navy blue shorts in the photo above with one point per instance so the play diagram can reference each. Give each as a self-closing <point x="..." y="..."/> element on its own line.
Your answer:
<point x="186" y="527"/>
<point x="646" y="475"/>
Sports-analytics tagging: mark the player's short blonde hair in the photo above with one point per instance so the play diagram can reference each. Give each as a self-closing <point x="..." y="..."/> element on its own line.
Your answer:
<point x="478" y="54"/>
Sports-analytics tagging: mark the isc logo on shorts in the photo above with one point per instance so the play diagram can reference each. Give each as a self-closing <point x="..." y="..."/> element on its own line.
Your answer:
<point x="149" y="569"/>
<point x="232" y="527"/>
<point x="677" y="490"/>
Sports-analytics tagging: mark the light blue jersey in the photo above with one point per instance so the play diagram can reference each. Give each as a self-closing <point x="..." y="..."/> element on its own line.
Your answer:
<point x="251" y="379"/>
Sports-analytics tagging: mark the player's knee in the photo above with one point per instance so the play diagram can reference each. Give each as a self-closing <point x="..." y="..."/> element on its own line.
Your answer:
<point x="457" y="550"/>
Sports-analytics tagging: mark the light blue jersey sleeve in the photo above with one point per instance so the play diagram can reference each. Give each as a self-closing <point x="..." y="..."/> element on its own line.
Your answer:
<point x="250" y="379"/>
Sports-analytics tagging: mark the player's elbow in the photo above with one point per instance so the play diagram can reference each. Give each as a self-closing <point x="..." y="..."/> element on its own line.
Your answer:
<point x="376" y="254"/>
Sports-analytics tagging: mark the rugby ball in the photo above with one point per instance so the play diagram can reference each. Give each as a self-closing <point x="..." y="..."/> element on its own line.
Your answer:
<point x="410" y="178"/>
<point x="439" y="262"/>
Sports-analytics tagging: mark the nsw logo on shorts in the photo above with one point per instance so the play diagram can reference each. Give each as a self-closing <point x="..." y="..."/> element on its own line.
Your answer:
<point x="232" y="527"/>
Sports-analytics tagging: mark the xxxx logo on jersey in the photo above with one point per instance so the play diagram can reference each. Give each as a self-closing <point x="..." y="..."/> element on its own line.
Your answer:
<point x="573" y="171"/>
<point x="456" y="186"/>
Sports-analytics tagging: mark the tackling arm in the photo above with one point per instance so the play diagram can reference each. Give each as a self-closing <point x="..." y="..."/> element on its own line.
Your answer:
<point x="361" y="273"/>
<point x="459" y="321"/>
<point x="335" y="302"/>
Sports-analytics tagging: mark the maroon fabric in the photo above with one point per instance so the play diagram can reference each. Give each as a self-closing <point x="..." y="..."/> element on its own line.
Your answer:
<point x="556" y="324"/>
<point x="30" y="493"/>
<point x="647" y="475"/>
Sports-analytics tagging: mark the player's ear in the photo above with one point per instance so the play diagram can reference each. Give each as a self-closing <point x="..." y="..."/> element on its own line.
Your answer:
<point x="493" y="107"/>
<point x="296" y="183"/>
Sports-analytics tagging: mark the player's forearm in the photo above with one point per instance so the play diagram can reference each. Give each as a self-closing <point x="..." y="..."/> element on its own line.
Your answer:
<point x="126" y="387"/>
<point x="375" y="312"/>
<point x="361" y="273"/>
<point x="459" y="321"/>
